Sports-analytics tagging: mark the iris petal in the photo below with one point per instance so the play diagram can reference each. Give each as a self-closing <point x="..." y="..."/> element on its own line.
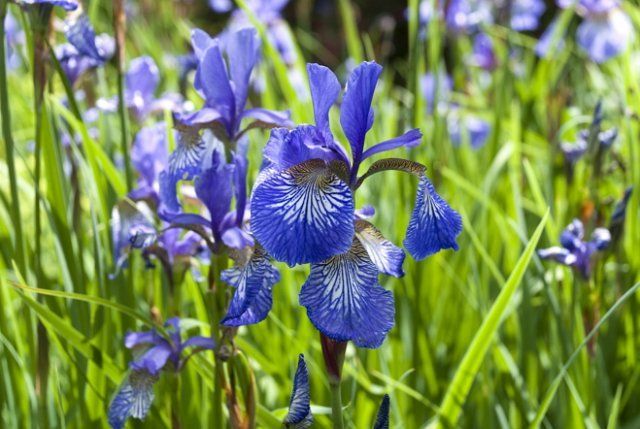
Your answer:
<point x="356" y="115"/>
<point x="132" y="400"/>
<point x="303" y="214"/>
<point x="243" y="50"/>
<point x="154" y="359"/>
<point x="81" y="35"/>
<point x="344" y="300"/>
<point x="434" y="225"/>
<point x="324" y="92"/>
<point x="386" y="256"/>
<point x="214" y="187"/>
<point x="214" y="82"/>
<point x="299" y="415"/>
<point x="604" y="37"/>
<point x="253" y="282"/>
<point x="558" y="254"/>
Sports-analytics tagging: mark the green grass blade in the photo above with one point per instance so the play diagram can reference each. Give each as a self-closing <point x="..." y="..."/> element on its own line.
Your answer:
<point x="463" y="379"/>
<point x="553" y="388"/>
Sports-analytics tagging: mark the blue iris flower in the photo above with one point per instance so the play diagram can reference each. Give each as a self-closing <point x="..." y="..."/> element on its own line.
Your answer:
<point x="575" y="252"/>
<point x="525" y="14"/>
<point x="605" y="31"/>
<point x="135" y="395"/>
<point x="67" y="5"/>
<point x="303" y="211"/>
<point x="85" y="50"/>
<point x="269" y="13"/>
<point x="14" y="37"/>
<point x="299" y="415"/>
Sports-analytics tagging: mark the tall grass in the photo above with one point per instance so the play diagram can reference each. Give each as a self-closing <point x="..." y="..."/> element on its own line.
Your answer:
<point x="486" y="337"/>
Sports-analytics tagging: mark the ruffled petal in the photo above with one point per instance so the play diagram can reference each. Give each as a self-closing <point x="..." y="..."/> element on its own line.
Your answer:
<point x="411" y="138"/>
<point x="303" y="214"/>
<point x="605" y="36"/>
<point x="325" y="89"/>
<point x="356" y="115"/>
<point x="344" y="300"/>
<point x="382" y="419"/>
<point x="434" y="225"/>
<point x="287" y="148"/>
<point x="386" y="256"/>
<point x="299" y="415"/>
<point x="132" y="400"/>
<point x="253" y="297"/>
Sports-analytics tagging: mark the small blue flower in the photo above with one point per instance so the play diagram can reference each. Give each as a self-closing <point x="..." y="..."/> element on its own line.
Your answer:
<point x="135" y="395"/>
<point x="440" y="87"/>
<point x="464" y="16"/>
<point x="75" y="64"/>
<point x="525" y="14"/>
<point x="14" y="37"/>
<point x="483" y="54"/>
<point x="575" y="252"/>
<point x="67" y="5"/>
<point x="472" y="128"/>
<point x="382" y="419"/>
<point x="299" y="415"/>
<point x="149" y="156"/>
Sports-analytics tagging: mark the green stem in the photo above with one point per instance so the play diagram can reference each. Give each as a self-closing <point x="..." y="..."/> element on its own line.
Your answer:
<point x="216" y="307"/>
<point x="119" y="20"/>
<point x="336" y="405"/>
<point x="7" y="136"/>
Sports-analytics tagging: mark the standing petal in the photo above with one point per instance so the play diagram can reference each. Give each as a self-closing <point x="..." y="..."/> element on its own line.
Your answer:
<point x="142" y="79"/>
<point x="154" y="359"/>
<point x="132" y="400"/>
<point x="344" y="300"/>
<point x="324" y="92"/>
<point x="253" y="282"/>
<point x="299" y="415"/>
<point x="356" y="115"/>
<point x="214" y="188"/>
<point x="81" y="35"/>
<point x="212" y="78"/>
<point x="434" y="225"/>
<point x="386" y="256"/>
<point x="303" y="214"/>
<point x="243" y="50"/>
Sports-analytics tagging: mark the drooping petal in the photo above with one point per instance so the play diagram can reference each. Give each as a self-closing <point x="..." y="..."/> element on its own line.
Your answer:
<point x="253" y="282"/>
<point x="605" y="36"/>
<point x="344" y="300"/>
<point x="133" y="399"/>
<point x="356" y="115"/>
<point x="81" y="35"/>
<point x="153" y="360"/>
<point x="386" y="256"/>
<point x="434" y="225"/>
<point x="558" y="254"/>
<point x="303" y="214"/>
<point x="325" y="89"/>
<point x="411" y="138"/>
<point x="299" y="415"/>
<point x="214" y="82"/>
<point x="382" y="419"/>
<point x="243" y="50"/>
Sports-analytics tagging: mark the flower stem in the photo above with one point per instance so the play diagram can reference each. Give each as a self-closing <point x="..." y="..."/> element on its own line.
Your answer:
<point x="7" y="136"/>
<point x="119" y="25"/>
<point x="336" y="405"/>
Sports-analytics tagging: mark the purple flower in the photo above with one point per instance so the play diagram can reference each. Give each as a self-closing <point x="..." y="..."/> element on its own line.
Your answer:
<point x="605" y="31"/>
<point x="468" y="128"/>
<point x="575" y="252"/>
<point x="135" y="395"/>
<point x="67" y="5"/>
<point x="440" y="88"/>
<point x="268" y="13"/>
<point x="75" y="64"/>
<point x="464" y="16"/>
<point x="525" y="14"/>
<point x="483" y="54"/>
<point x="302" y="211"/>
<point x="14" y="37"/>
<point x="149" y="156"/>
